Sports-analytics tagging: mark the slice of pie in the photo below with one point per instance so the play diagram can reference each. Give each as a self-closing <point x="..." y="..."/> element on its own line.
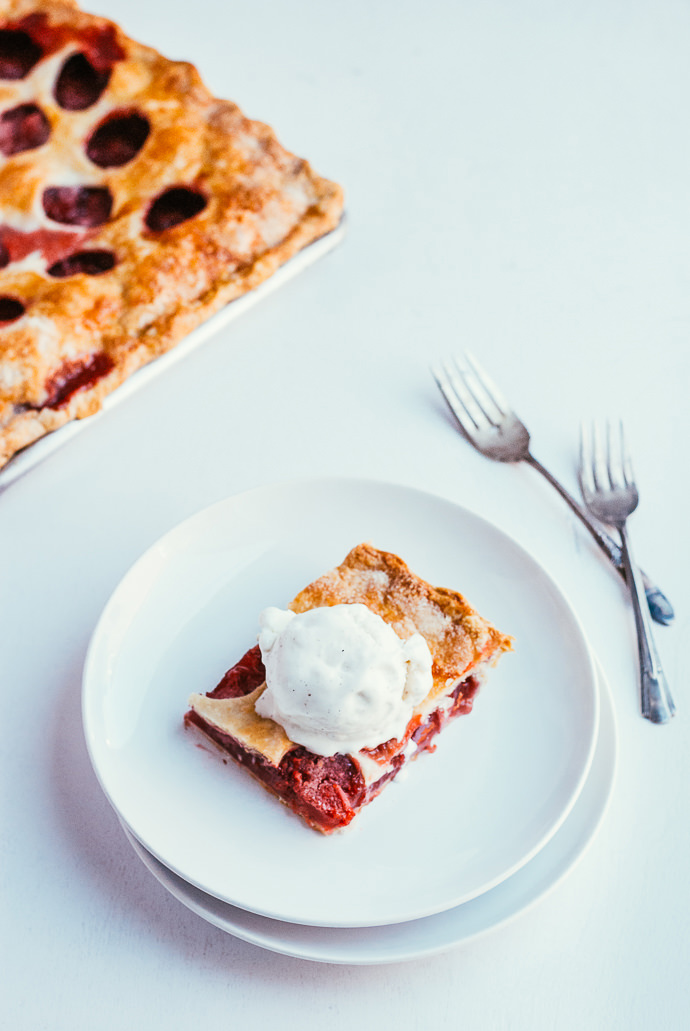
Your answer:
<point x="327" y="787"/>
<point x="133" y="205"/>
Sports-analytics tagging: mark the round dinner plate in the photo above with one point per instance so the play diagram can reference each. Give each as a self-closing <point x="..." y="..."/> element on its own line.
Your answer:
<point x="416" y="939"/>
<point x="498" y="787"/>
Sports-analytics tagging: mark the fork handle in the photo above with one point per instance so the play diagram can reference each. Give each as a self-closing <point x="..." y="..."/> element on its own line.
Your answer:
<point x="655" y="695"/>
<point x="660" y="607"/>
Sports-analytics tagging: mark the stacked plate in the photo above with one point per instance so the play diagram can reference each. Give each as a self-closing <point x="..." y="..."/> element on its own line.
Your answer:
<point x="460" y="843"/>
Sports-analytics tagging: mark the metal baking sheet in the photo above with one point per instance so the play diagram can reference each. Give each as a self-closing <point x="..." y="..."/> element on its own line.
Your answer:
<point x="30" y="456"/>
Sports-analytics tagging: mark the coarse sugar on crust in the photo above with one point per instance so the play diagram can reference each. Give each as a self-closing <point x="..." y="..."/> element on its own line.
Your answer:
<point x="133" y="206"/>
<point x="458" y="637"/>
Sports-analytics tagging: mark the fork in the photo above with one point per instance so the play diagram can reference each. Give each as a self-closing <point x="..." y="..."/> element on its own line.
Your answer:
<point x="489" y="423"/>
<point x="608" y="487"/>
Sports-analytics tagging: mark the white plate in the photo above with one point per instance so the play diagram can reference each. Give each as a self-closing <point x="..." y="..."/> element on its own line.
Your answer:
<point x="415" y="939"/>
<point x="30" y="456"/>
<point x="498" y="787"/>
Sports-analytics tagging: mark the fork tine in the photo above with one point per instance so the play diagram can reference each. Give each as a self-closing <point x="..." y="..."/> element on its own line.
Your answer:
<point x="492" y="392"/>
<point x="458" y="377"/>
<point x="613" y="500"/>
<point x="614" y="459"/>
<point x="481" y="397"/>
<point x="600" y="460"/>
<point x="619" y="461"/>
<point x="628" y="474"/>
<point x="447" y="388"/>
<point x="585" y="470"/>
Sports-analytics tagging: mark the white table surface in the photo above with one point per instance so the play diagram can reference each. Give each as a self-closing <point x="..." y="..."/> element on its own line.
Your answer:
<point x="517" y="183"/>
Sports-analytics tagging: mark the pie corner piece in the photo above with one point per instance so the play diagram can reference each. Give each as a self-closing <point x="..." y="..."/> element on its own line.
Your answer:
<point x="133" y="206"/>
<point x="329" y="791"/>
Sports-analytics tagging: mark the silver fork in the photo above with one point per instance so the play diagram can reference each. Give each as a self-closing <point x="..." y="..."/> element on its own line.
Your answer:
<point x="608" y="487"/>
<point x="489" y="423"/>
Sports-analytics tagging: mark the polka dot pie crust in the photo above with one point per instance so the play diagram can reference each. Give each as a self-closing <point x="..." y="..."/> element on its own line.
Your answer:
<point x="133" y="205"/>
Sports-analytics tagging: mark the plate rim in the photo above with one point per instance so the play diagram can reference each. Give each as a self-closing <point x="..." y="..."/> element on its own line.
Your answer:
<point x="266" y="941"/>
<point x="350" y="483"/>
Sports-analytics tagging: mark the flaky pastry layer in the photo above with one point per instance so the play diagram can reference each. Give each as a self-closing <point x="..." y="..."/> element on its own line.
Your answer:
<point x="461" y="643"/>
<point x="247" y="206"/>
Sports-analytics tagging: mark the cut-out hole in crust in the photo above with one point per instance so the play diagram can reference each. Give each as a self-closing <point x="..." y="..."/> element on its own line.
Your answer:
<point x="75" y="376"/>
<point x="174" y="206"/>
<point x="118" y="139"/>
<point x="79" y="85"/>
<point x="90" y="263"/>
<point x="18" y="54"/>
<point x="23" y="128"/>
<point x="51" y="33"/>
<point x="78" y="205"/>
<point x="10" y="310"/>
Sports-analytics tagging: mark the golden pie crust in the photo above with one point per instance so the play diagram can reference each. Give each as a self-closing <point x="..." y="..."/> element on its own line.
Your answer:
<point x="81" y="334"/>
<point x="460" y="640"/>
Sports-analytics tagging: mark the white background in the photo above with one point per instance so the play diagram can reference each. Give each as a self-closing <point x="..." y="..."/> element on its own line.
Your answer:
<point x="517" y="183"/>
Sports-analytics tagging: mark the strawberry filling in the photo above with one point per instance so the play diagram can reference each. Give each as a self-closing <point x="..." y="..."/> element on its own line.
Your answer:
<point x="326" y="791"/>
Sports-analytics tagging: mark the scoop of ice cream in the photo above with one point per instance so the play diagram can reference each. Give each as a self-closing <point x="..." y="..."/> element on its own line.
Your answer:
<point x="339" y="678"/>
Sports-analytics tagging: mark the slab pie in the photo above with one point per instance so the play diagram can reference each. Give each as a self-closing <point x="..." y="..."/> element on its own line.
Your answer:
<point x="133" y="205"/>
<point x="329" y="791"/>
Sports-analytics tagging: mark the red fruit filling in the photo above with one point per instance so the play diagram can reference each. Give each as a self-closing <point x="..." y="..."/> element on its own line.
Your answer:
<point x="88" y="263"/>
<point x="118" y="139"/>
<point x="326" y="791"/>
<point x="75" y="376"/>
<point x="78" y="205"/>
<point x="244" y="677"/>
<point x="52" y="244"/>
<point x="24" y="127"/>
<point x="11" y="309"/>
<point x="18" y="54"/>
<point x="36" y="37"/>
<point x="79" y="84"/>
<point x="174" y="206"/>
